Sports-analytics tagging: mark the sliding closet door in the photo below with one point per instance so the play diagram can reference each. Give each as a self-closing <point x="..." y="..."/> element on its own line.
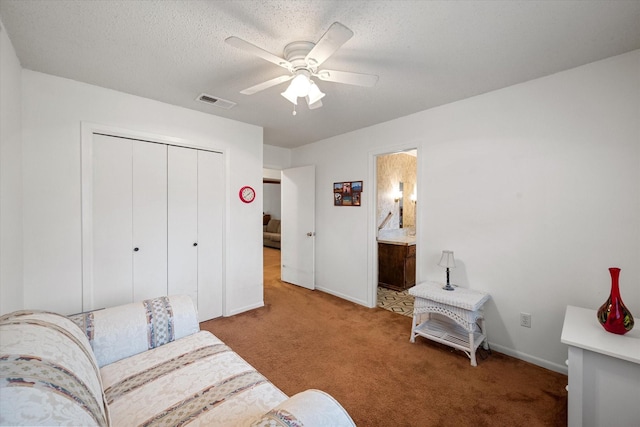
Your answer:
<point x="149" y="220"/>
<point x="111" y="281"/>
<point x="183" y="221"/>
<point x="210" y="220"/>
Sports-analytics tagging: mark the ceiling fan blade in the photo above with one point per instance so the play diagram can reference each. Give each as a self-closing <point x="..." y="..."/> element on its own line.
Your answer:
<point x="366" y="80"/>
<point x="336" y="36"/>
<point x="315" y="105"/>
<point x="265" y="85"/>
<point x="251" y="48"/>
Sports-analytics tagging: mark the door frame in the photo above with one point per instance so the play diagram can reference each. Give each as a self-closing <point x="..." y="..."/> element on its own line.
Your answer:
<point x="87" y="130"/>
<point x="372" y="234"/>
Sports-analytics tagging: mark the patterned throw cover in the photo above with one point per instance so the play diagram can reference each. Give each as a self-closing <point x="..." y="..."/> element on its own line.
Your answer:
<point x="150" y="366"/>
<point x="48" y="373"/>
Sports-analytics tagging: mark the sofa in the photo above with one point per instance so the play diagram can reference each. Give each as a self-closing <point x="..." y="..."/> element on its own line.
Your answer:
<point x="140" y="364"/>
<point x="271" y="234"/>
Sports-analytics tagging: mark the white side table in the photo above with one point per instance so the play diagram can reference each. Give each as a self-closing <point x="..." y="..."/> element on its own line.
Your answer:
<point x="463" y="306"/>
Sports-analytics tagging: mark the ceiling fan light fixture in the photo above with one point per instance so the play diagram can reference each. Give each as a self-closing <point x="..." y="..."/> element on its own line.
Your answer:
<point x="302" y="61"/>
<point x="301" y="84"/>
<point x="315" y="94"/>
<point x="291" y="95"/>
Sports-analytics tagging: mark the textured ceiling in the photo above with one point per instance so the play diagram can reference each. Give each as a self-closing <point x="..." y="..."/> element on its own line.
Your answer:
<point x="427" y="53"/>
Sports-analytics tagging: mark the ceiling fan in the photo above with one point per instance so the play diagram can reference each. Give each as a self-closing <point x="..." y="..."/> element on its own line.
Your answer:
<point x="301" y="60"/>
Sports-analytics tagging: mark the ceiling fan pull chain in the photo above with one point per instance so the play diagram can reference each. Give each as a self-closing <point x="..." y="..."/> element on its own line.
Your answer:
<point x="294" y="109"/>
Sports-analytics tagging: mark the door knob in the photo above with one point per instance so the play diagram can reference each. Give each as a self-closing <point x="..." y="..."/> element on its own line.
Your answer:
<point x="136" y="249"/>
<point x="195" y="244"/>
<point x="311" y="233"/>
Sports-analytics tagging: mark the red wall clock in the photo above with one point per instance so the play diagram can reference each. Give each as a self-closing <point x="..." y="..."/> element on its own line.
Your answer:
<point x="247" y="194"/>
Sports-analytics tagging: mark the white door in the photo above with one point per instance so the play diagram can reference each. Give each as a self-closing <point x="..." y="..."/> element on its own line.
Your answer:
<point x="149" y="220"/>
<point x="298" y="226"/>
<point x="182" y="215"/>
<point x="210" y="220"/>
<point x="108" y="239"/>
<point x="152" y="219"/>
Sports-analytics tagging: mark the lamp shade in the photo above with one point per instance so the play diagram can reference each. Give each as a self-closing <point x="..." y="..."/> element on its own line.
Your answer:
<point x="447" y="260"/>
<point x="315" y="94"/>
<point x="291" y="95"/>
<point x="301" y="84"/>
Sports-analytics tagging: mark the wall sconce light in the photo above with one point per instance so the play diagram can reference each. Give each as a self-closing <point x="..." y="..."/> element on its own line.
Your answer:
<point x="414" y="197"/>
<point x="398" y="194"/>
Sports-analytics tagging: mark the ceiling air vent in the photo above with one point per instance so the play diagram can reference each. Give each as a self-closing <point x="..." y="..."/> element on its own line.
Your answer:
<point x="218" y="102"/>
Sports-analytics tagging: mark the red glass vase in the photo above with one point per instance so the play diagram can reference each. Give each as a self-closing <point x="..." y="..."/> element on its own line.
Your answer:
<point x="614" y="316"/>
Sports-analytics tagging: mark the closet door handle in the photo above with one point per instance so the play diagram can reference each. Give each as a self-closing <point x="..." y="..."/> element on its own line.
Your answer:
<point x="136" y="249"/>
<point x="195" y="244"/>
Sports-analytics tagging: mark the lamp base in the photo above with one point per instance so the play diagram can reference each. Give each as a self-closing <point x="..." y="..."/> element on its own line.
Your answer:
<point x="448" y="287"/>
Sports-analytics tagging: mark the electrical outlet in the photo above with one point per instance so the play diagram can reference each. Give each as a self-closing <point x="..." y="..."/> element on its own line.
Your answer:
<point x="525" y="320"/>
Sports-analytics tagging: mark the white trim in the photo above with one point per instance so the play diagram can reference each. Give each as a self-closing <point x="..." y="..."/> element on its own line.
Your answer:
<point x="86" y="215"/>
<point x="529" y="358"/>
<point x="89" y="128"/>
<point x="343" y="296"/>
<point x="243" y="309"/>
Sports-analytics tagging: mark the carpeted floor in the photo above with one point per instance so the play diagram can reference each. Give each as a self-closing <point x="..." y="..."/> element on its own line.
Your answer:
<point x="305" y="339"/>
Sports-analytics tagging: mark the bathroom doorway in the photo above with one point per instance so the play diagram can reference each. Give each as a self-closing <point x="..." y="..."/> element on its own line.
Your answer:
<point x="395" y="213"/>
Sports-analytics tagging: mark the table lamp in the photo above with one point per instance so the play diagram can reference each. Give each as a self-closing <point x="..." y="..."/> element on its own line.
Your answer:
<point x="448" y="262"/>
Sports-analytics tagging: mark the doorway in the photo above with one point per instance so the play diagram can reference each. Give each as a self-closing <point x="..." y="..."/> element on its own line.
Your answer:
<point x="395" y="213"/>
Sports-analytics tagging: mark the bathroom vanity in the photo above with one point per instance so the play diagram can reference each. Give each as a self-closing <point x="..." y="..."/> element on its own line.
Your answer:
<point x="397" y="262"/>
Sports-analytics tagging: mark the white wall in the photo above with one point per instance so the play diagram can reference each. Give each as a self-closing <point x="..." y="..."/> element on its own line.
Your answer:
<point x="11" y="285"/>
<point x="272" y="200"/>
<point x="276" y="157"/>
<point x="536" y="188"/>
<point x="53" y="109"/>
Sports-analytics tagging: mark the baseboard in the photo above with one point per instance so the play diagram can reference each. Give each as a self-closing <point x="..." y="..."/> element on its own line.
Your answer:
<point x="243" y="309"/>
<point x="341" y="295"/>
<point x="529" y="358"/>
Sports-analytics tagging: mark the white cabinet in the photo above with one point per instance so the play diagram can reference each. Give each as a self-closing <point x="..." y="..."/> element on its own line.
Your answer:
<point x="152" y="223"/>
<point x="604" y="372"/>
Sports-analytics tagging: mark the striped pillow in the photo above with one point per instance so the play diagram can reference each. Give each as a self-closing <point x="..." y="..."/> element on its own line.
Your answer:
<point x="125" y="330"/>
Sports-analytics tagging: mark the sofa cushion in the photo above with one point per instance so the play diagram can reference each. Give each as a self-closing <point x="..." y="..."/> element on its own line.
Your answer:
<point x="275" y="237"/>
<point x="271" y="236"/>
<point x="273" y="226"/>
<point x="48" y="373"/>
<point x="125" y="330"/>
<point x="196" y="379"/>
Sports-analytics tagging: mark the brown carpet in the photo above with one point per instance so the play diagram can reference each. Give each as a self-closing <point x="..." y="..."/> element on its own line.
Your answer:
<point x="306" y="339"/>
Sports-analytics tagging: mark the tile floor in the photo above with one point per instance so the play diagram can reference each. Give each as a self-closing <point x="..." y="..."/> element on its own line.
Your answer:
<point x="397" y="302"/>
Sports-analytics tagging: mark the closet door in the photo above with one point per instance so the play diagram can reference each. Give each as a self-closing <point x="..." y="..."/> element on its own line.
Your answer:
<point x="152" y="224"/>
<point x="111" y="281"/>
<point x="183" y="222"/>
<point x="210" y="221"/>
<point x="149" y="220"/>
